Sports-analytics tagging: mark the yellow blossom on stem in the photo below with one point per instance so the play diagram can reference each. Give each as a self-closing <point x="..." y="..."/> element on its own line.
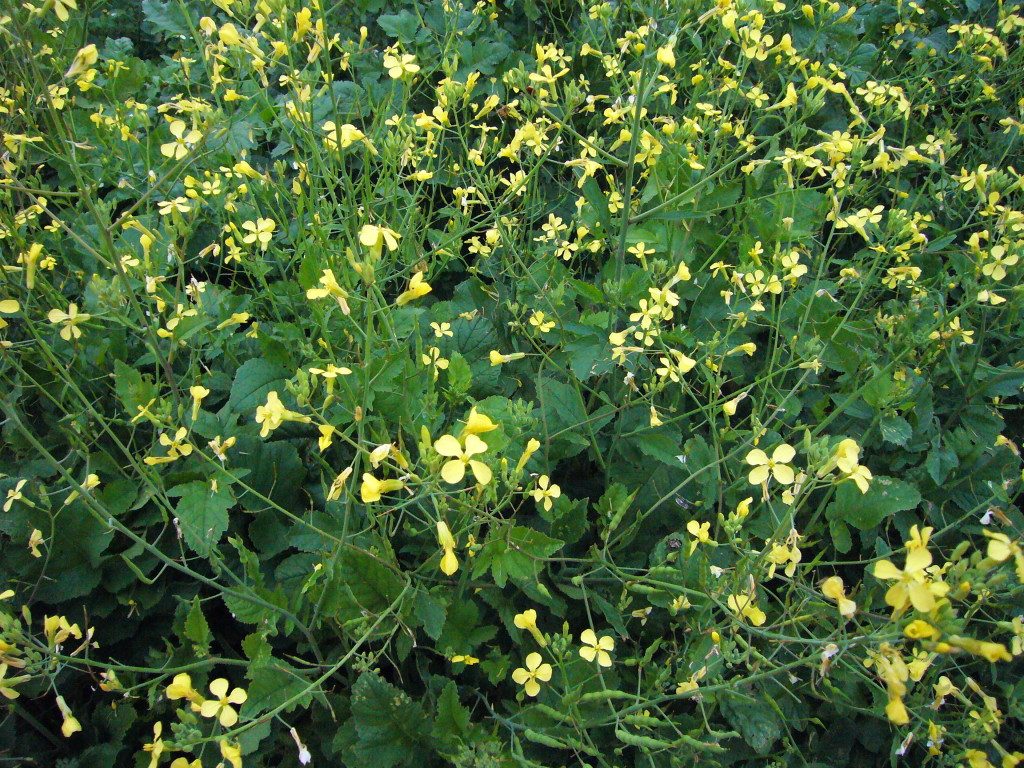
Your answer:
<point x="776" y="466"/>
<point x="273" y="414"/>
<point x="461" y="456"/>
<point x="449" y="562"/>
<point x="833" y="589"/>
<point x="528" y="620"/>
<point x="743" y="606"/>
<point x="545" y="492"/>
<point x="330" y="287"/>
<point x="372" y="488"/>
<point x="417" y="287"/>
<point x="219" y="706"/>
<point x="533" y="674"/>
<point x="595" y="647"/>
<point x="70" y="319"/>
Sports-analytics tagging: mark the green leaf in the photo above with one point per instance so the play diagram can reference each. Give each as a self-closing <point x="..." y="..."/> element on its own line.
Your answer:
<point x="253" y="380"/>
<point x="274" y="684"/>
<point x="452" y="722"/>
<point x="197" y="629"/>
<point x="430" y="612"/>
<point x="757" y="722"/>
<point x="515" y="553"/>
<point x="133" y="390"/>
<point x="895" y="430"/>
<point x="885" y="497"/>
<point x="391" y="729"/>
<point x="202" y="514"/>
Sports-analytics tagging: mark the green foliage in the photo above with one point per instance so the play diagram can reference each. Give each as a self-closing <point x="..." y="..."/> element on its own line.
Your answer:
<point x="531" y="383"/>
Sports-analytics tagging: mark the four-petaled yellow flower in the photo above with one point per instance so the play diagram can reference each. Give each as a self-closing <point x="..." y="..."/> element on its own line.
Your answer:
<point x="220" y="705"/>
<point x="261" y="230"/>
<point x="401" y="64"/>
<point x="71" y="320"/>
<point x="595" y="647"/>
<point x="776" y="466"/>
<point x="533" y="674"/>
<point x="914" y="584"/>
<point x="461" y="455"/>
<point x="701" y="533"/>
<point x="183" y="141"/>
<point x="545" y="492"/>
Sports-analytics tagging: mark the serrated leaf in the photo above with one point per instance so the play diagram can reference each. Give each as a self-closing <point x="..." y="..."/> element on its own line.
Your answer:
<point x="391" y="729"/>
<point x="452" y="722"/>
<point x="197" y="629"/>
<point x="757" y="722"/>
<point x="202" y="513"/>
<point x="253" y="380"/>
<point x="885" y="497"/>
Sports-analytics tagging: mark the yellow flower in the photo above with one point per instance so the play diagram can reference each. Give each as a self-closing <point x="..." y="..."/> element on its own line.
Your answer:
<point x="35" y="540"/>
<point x="432" y="357"/>
<point x="372" y="488"/>
<point x="496" y="358"/>
<point x="465" y="659"/>
<point x="528" y="620"/>
<point x="461" y="455"/>
<point x="833" y="589"/>
<point x="183" y="140"/>
<point x="701" y="533"/>
<point x="666" y="56"/>
<point x="71" y="320"/>
<point x="60" y="8"/>
<point x="777" y="465"/>
<point x="7" y="683"/>
<point x="545" y="492"/>
<point x="595" y="647"/>
<point x="231" y="752"/>
<point x="343" y="136"/>
<point x="176" y="448"/>
<point x="376" y="238"/>
<point x="743" y="606"/>
<point x="84" y="59"/>
<point x="330" y="287"/>
<point x="261" y="230"/>
<point x="326" y="437"/>
<point x="220" y="705"/>
<point x="417" y="287"/>
<point x="70" y="726"/>
<point x="539" y="321"/>
<point x="533" y="672"/>
<point x="400" y="65"/>
<point x="14" y="494"/>
<point x="273" y="414"/>
<point x="449" y="562"/>
<point x="477" y="423"/>
<point x="181" y="688"/>
<point x="199" y="393"/>
<point x="442" y="329"/>
<point x="913" y="585"/>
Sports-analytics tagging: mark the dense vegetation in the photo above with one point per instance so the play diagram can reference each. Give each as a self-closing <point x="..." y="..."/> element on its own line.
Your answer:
<point x="518" y="383"/>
